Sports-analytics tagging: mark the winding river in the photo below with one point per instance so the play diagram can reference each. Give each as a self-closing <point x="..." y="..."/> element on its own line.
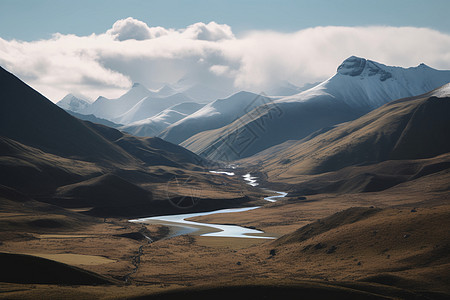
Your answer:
<point x="179" y="225"/>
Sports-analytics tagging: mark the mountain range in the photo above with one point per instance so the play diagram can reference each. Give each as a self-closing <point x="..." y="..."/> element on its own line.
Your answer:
<point x="358" y="87"/>
<point x="52" y="156"/>
<point x="139" y="104"/>
<point x="363" y="160"/>
<point x="400" y="141"/>
<point x="150" y="106"/>
<point x="153" y="126"/>
<point x="213" y="115"/>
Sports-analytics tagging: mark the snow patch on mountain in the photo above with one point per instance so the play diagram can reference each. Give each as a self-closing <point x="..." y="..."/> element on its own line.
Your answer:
<point x="442" y="92"/>
<point x="154" y="125"/>
<point x="288" y="89"/>
<point x="150" y="106"/>
<point x="214" y="115"/>
<point x="110" y="108"/>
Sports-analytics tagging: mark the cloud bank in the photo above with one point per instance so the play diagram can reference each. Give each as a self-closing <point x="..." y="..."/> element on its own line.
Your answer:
<point x="209" y="55"/>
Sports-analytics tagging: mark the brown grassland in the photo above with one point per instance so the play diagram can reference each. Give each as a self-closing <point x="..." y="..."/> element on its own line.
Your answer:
<point x="390" y="244"/>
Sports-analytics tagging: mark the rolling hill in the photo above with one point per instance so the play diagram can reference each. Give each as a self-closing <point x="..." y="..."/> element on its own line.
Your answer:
<point x="402" y="140"/>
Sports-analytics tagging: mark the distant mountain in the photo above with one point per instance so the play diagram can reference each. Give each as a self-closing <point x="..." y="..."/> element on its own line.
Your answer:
<point x="150" y="106"/>
<point x="154" y="125"/>
<point x="73" y="103"/>
<point x="164" y="91"/>
<point x="136" y="104"/>
<point x="358" y="87"/>
<point x="203" y="93"/>
<point x="111" y="108"/>
<point x="402" y="140"/>
<point x="214" y="115"/>
<point x="94" y="119"/>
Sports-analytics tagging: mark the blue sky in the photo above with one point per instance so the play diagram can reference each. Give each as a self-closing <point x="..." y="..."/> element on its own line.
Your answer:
<point x="32" y="19"/>
<point x="227" y="46"/>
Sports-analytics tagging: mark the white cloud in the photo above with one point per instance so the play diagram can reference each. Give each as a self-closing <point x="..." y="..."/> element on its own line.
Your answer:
<point x="209" y="54"/>
<point x="130" y="28"/>
<point x="315" y="53"/>
<point x="219" y="70"/>
<point x="209" y="32"/>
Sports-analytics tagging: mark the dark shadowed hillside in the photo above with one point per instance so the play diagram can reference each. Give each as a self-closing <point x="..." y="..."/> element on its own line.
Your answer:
<point x="29" y="118"/>
<point x="54" y="157"/>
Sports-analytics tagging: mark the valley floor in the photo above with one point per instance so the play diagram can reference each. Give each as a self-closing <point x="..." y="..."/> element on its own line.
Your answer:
<point x="390" y="244"/>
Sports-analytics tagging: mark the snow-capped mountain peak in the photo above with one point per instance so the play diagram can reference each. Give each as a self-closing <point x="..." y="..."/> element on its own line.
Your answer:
<point x="137" y="90"/>
<point x="355" y="66"/>
<point x="442" y="92"/>
<point x="166" y="90"/>
<point x="366" y="84"/>
<point x="100" y="98"/>
<point x="73" y="103"/>
<point x="108" y="108"/>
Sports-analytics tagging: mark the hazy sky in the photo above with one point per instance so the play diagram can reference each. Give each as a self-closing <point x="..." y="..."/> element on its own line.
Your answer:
<point x="94" y="48"/>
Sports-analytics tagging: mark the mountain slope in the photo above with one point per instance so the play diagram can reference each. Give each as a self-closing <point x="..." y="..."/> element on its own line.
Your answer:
<point x="29" y="118"/>
<point x="110" y="108"/>
<point x="104" y="191"/>
<point x="358" y="87"/>
<point x="136" y="104"/>
<point x="53" y="157"/>
<point x="203" y="92"/>
<point x="268" y="125"/>
<point x="154" y="125"/>
<point x="151" y="151"/>
<point x="94" y="119"/>
<point x="289" y="89"/>
<point x="35" y="172"/>
<point x="213" y="115"/>
<point x="19" y="268"/>
<point x="150" y="106"/>
<point x="406" y="129"/>
<point x="164" y="91"/>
